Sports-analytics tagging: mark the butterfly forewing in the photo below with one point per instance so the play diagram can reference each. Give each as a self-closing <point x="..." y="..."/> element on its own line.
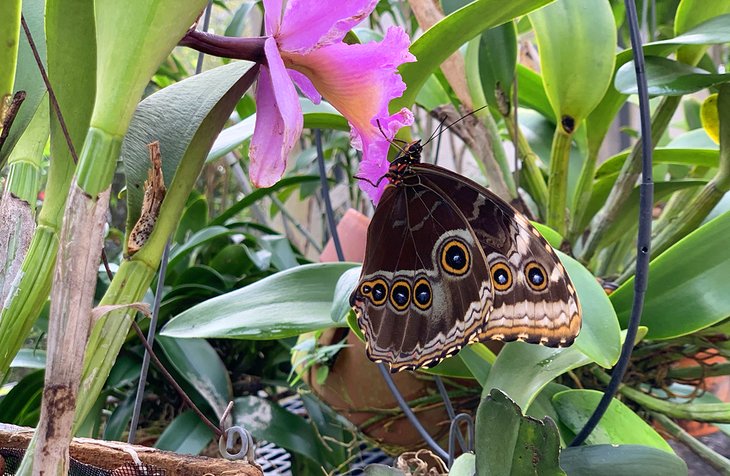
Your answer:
<point x="425" y="289"/>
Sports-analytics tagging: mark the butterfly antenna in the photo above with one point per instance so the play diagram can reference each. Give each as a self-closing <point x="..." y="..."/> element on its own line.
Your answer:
<point x="392" y="141"/>
<point x="375" y="184"/>
<point x="441" y="131"/>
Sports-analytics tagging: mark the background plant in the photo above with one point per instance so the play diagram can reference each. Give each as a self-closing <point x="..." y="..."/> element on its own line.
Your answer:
<point x="236" y="292"/>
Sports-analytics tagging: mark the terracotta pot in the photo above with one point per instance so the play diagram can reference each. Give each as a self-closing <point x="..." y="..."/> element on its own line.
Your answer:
<point x="718" y="386"/>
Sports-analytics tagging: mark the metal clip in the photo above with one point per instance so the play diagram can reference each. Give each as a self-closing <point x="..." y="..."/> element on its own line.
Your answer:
<point x="231" y="435"/>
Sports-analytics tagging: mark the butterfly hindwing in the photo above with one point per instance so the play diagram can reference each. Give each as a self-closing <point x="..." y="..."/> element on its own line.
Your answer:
<point x="425" y="289"/>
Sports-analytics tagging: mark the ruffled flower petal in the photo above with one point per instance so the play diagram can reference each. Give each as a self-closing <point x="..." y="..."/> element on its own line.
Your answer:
<point x="279" y="120"/>
<point x="305" y="86"/>
<point x="374" y="163"/>
<point x="272" y="16"/>
<point x="311" y="24"/>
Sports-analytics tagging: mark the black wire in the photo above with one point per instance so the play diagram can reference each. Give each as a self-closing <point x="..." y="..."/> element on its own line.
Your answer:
<point x="646" y="200"/>
<point x="326" y="196"/>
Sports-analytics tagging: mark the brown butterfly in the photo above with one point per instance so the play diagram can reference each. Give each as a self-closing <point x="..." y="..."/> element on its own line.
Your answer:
<point x="449" y="263"/>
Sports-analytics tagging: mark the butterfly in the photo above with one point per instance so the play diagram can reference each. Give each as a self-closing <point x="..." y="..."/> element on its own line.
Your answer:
<point x="448" y="263"/>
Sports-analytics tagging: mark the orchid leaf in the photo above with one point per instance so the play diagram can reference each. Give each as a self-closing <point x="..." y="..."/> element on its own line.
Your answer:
<point x="688" y="286"/>
<point x="662" y="155"/>
<point x="285" y="304"/>
<point x="186" y="434"/>
<point x="509" y="443"/>
<point x="610" y="460"/>
<point x="198" y="363"/>
<point x="619" y="425"/>
<point x="497" y="59"/>
<point x="531" y="92"/>
<point x="27" y="76"/>
<point x="445" y="37"/>
<point x="667" y="77"/>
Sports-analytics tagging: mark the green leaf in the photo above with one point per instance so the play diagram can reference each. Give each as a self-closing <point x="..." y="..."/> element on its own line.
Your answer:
<point x="497" y="59"/>
<point x="130" y="51"/>
<point x="268" y="421"/>
<point x="478" y="359"/>
<point x="464" y="465"/>
<point x="282" y="305"/>
<point x="345" y="285"/>
<point x="22" y="405"/>
<point x="27" y="76"/>
<point x="667" y="77"/>
<point x="382" y="470"/>
<point x="194" y="217"/>
<point x="205" y="235"/>
<point x="688" y="286"/>
<point x="624" y="460"/>
<point x="186" y="434"/>
<point x="619" y="425"/>
<point x="531" y="92"/>
<point x="29" y="359"/>
<point x="662" y="155"/>
<point x="576" y="77"/>
<point x="198" y="363"/>
<point x="445" y="37"/>
<point x="509" y="443"/>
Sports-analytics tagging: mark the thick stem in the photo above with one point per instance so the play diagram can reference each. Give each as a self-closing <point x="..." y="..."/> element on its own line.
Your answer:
<point x="557" y="216"/>
<point x="627" y="178"/>
<point x="108" y="334"/>
<point x="69" y="324"/>
<point x="583" y="192"/>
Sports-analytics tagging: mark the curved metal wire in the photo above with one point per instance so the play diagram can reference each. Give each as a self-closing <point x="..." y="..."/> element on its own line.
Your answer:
<point x="646" y="200"/>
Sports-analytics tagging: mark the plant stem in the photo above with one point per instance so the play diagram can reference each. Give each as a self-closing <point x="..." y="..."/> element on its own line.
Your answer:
<point x="530" y="170"/>
<point x="627" y="179"/>
<point x="713" y="458"/>
<point x="557" y="217"/>
<point x="583" y="192"/>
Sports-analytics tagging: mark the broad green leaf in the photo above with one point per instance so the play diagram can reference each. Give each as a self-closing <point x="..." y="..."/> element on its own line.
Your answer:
<point x="619" y="425"/>
<point x="194" y="217"/>
<point x="575" y="78"/>
<point x="663" y="155"/>
<point x="205" y="235"/>
<point x="175" y="127"/>
<point x="445" y="37"/>
<point x="666" y="77"/>
<point x="509" y="443"/>
<point x="198" y="363"/>
<point x="464" y="465"/>
<point x="497" y="59"/>
<point x="690" y="15"/>
<point x="186" y="434"/>
<point x="382" y="470"/>
<point x="688" y="286"/>
<point x="268" y="421"/>
<point x="531" y="92"/>
<point x="345" y="285"/>
<point x="624" y="460"/>
<point x="432" y="94"/>
<point x="282" y="305"/>
<point x="29" y="359"/>
<point x="27" y="76"/>
<point x="22" y="405"/>
<point x="129" y="52"/>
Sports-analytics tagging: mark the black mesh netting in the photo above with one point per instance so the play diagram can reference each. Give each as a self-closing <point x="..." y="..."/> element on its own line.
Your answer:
<point x="13" y="456"/>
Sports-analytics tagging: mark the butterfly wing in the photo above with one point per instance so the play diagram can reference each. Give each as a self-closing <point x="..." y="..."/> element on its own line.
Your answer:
<point x="425" y="289"/>
<point x="533" y="297"/>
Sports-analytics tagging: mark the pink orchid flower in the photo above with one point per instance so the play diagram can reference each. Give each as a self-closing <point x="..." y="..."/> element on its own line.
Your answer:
<point x="305" y="48"/>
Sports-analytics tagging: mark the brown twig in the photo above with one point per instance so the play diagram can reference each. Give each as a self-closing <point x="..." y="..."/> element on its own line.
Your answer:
<point x="9" y="118"/>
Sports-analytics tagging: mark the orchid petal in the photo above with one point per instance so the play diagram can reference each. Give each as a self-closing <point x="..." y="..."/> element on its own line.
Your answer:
<point x="305" y="86"/>
<point x="272" y="16"/>
<point x="308" y="24"/>
<point x="279" y="120"/>
<point x="358" y="80"/>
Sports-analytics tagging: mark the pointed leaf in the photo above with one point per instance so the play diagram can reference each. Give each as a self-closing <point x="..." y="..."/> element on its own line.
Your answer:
<point x="628" y="460"/>
<point x="285" y="304"/>
<point x="666" y="77"/>
<point x="186" y="434"/>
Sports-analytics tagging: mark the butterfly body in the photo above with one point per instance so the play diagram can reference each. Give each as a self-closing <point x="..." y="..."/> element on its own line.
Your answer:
<point x="449" y="263"/>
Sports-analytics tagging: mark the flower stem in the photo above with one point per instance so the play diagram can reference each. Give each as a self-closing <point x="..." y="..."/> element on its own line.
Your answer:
<point x="713" y="458"/>
<point x="557" y="217"/>
<point x="251" y="49"/>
